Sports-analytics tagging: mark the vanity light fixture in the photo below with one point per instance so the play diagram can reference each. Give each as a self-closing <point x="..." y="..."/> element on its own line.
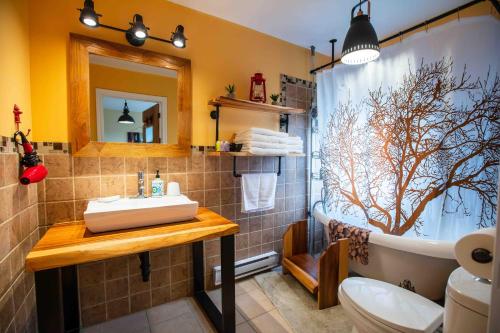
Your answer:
<point x="88" y="16"/>
<point x="126" y="118"/>
<point x="137" y="34"/>
<point x="361" y="42"/>
<point x="178" y="38"/>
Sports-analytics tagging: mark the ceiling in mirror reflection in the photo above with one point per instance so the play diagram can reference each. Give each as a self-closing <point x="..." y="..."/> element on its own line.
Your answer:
<point x="116" y="104"/>
<point x="131" y="66"/>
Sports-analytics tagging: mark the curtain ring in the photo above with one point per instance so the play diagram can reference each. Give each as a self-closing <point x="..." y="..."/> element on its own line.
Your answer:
<point x="400" y="36"/>
<point x="426" y="26"/>
<point x="458" y="14"/>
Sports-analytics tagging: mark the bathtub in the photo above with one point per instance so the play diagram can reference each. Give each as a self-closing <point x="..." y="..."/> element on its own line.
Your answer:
<point x="422" y="264"/>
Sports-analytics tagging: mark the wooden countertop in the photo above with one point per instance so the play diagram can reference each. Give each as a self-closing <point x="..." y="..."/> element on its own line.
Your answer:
<point x="71" y="243"/>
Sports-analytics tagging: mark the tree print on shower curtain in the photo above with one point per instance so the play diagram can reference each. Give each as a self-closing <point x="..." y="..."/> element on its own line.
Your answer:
<point x="434" y="135"/>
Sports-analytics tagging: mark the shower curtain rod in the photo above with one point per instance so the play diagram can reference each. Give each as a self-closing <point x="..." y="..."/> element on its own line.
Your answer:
<point x="495" y="4"/>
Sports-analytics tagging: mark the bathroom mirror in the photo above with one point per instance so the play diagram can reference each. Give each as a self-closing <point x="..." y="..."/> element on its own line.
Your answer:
<point x="127" y="101"/>
<point x="132" y="102"/>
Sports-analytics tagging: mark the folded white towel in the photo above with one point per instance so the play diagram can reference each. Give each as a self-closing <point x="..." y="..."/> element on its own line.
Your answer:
<point x="258" y="191"/>
<point x="265" y="151"/>
<point x="263" y="131"/>
<point x="264" y="138"/>
<point x="258" y="137"/>
<point x="295" y="150"/>
<point x="294" y="140"/>
<point x="260" y="144"/>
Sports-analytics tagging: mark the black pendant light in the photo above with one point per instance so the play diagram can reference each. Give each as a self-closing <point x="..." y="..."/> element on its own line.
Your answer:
<point x="126" y="118"/>
<point x="361" y="42"/>
<point x="138" y="32"/>
<point x="88" y="16"/>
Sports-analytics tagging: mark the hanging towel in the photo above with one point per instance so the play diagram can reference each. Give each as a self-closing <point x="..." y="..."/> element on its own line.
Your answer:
<point x="358" y="239"/>
<point x="258" y="191"/>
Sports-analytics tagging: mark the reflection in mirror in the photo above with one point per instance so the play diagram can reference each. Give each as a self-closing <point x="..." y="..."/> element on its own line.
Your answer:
<point x="132" y="102"/>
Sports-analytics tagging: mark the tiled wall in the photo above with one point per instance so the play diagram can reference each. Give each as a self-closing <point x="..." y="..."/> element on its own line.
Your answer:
<point x="113" y="288"/>
<point x="18" y="233"/>
<point x="300" y="93"/>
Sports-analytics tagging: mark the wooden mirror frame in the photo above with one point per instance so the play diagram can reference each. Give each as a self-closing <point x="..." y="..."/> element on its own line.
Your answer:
<point x="80" y="48"/>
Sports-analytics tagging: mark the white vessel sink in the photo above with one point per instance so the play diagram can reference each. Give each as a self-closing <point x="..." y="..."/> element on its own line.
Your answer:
<point x="125" y="213"/>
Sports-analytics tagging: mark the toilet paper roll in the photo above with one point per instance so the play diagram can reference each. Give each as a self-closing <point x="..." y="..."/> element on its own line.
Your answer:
<point x="474" y="252"/>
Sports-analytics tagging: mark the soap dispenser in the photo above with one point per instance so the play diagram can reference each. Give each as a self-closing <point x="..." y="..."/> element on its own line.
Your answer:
<point x="157" y="185"/>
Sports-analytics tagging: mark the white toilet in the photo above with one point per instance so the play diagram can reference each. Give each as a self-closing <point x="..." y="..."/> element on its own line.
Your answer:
<point x="467" y="303"/>
<point x="376" y="306"/>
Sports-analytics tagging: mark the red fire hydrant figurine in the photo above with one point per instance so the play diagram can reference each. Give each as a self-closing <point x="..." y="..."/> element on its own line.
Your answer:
<point x="34" y="171"/>
<point x="258" y="88"/>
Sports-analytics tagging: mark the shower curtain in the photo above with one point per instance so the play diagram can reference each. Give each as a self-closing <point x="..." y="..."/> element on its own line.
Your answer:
<point x="410" y="142"/>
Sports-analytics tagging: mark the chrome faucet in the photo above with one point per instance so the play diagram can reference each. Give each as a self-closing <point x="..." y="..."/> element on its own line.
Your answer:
<point x="140" y="184"/>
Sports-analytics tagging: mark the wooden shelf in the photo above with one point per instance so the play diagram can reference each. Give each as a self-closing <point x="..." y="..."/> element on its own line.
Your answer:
<point x="245" y="154"/>
<point x="305" y="269"/>
<point x="253" y="106"/>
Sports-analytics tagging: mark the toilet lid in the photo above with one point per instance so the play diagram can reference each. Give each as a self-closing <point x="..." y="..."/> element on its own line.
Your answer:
<point x="468" y="291"/>
<point x="391" y="305"/>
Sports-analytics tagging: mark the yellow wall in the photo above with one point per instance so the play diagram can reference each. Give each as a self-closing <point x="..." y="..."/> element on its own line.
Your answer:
<point x="221" y="53"/>
<point x="14" y="65"/>
<point x="134" y="82"/>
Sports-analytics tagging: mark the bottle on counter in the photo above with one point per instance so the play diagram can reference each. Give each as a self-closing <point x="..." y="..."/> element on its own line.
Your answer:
<point x="157" y="185"/>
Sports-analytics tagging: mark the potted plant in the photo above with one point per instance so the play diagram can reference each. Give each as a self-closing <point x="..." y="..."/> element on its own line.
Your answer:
<point x="230" y="91"/>
<point x="274" y="99"/>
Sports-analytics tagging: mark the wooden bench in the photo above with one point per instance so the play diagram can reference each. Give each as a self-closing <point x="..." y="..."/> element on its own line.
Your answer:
<point x="320" y="276"/>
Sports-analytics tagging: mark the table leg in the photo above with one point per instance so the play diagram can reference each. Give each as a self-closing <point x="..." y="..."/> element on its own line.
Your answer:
<point x="228" y="293"/>
<point x="224" y="322"/>
<point x="57" y="300"/>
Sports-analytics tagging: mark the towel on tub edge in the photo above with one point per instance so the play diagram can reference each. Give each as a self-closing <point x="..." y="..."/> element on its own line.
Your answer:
<point x="358" y="239"/>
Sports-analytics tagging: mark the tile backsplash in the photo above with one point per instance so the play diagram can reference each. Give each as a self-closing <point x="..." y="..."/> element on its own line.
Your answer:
<point x="18" y="234"/>
<point x="113" y="288"/>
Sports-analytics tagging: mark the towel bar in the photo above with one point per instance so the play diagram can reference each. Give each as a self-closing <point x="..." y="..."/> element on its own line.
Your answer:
<point x="235" y="174"/>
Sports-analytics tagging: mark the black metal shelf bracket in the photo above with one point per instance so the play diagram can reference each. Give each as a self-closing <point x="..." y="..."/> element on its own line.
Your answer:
<point x="284" y="121"/>
<point x="145" y="266"/>
<point x="215" y="115"/>
<point x="235" y="174"/>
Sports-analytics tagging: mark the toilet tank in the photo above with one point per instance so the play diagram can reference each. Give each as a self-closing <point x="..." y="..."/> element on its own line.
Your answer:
<point x="466" y="304"/>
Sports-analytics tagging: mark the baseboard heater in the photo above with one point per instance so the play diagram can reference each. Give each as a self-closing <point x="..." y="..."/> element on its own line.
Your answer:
<point x="249" y="266"/>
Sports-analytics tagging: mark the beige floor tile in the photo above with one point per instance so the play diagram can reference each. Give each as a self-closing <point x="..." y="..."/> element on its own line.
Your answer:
<point x="244" y="328"/>
<point x="185" y="323"/>
<point x="201" y="316"/>
<point x="185" y="315"/>
<point x="246" y="286"/>
<point x="270" y="322"/>
<point x="92" y="329"/>
<point x="134" y="323"/>
<point x="253" y="304"/>
<point x="168" y="311"/>
<point x="216" y="297"/>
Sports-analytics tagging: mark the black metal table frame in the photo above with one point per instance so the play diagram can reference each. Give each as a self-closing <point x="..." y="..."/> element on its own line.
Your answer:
<point x="58" y="305"/>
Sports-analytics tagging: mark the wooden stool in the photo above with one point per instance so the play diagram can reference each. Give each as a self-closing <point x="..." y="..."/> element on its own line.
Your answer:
<point x="322" y="276"/>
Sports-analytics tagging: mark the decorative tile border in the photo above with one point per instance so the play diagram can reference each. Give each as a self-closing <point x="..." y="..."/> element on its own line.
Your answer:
<point x="7" y="145"/>
<point x="291" y="98"/>
<point x="296" y="92"/>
